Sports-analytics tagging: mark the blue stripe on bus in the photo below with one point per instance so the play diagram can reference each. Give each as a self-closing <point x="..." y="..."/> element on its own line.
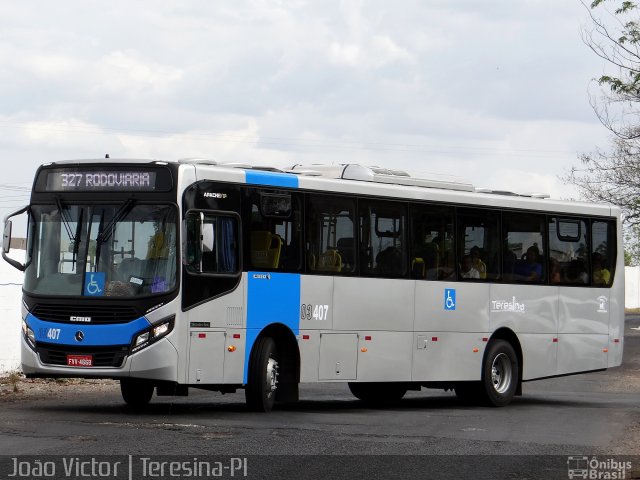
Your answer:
<point x="273" y="179"/>
<point x="271" y="298"/>
<point x="94" y="335"/>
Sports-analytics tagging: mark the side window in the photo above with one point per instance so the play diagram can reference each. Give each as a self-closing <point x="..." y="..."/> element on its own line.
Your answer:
<point x="274" y="236"/>
<point x="568" y="252"/>
<point x="383" y="248"/>
<point x="478" y="244"/>
<point x="432" y="243"/>
<point x="603" y="252"/>
<point x="330" y="223"/>
<point x="523" y="250"/>
<point x="212" y="245"/>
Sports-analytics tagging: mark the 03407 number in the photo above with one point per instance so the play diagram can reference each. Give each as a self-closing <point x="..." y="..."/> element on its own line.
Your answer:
<point x="314" y="312"/>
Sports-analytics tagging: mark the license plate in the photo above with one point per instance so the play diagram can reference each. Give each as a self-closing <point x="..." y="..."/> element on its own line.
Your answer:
<point x="79" y="360"/>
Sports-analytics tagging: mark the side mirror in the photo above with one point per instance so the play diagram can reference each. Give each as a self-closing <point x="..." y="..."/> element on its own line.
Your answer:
<point x="6" y="240"/>
<point x="6" y="237"/>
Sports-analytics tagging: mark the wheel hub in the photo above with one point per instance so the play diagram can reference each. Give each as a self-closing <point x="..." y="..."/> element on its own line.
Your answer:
<point x="272" y="377"/>
<point x="501" y="373"/>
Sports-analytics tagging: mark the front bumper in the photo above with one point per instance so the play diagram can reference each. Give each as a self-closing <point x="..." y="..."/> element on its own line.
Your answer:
<point x="158" y="361"/>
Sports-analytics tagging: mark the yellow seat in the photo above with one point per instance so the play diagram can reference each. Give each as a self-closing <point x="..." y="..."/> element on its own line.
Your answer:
<point x="158" y="247"/>
<point x="330" y="261"/>
<point x="418" y="268"/>
<point x="265" y="249"/>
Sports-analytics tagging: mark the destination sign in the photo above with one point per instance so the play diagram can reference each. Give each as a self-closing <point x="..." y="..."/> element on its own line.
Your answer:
<point x="117" y="180"/>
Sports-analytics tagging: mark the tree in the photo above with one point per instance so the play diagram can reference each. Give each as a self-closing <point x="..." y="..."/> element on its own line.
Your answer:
<point x="616" y="39"/>
<point x="614" y="176"/>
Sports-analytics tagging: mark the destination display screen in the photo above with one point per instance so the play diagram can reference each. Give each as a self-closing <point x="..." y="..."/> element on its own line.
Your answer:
<point x="80" y="179"/>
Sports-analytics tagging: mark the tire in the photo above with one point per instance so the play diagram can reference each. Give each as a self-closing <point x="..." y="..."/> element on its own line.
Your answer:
<point x="378" y="393"/>
<point x="136" y="393"/>
<point x="262" y="385"/>
<point x="500" y="374"/>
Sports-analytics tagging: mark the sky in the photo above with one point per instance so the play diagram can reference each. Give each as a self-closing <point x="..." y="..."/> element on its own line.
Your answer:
<point x="495" y="92"/>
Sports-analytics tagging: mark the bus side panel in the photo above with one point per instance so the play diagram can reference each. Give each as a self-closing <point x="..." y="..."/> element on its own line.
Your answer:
<point x="381" y="357"/>
<point x="616" y="325"/>
<point x="316" y="314"/>
<point x="372" y="304"/>
<point x="616" y="304"/>
<point x="584" y="310"/>
<point x="525" y="309"/>
<point x="221" y="316"/>
<point x="316" y="302"/>
<point x="447" y="356"/>
<point x="384" y="309"/>
<point x="271" y="298"/>
<point x="466" y="310"/>
<point x="582" y="352"/>
<point x="583" y="330"/>
<point x="539" y="353"/>
<point x="531" y="312"/>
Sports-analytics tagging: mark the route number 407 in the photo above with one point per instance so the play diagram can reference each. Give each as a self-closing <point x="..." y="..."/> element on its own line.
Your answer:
<point x="314" y="312"/>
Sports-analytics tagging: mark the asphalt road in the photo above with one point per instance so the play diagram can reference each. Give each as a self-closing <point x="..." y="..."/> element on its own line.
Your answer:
<point x="586" y="415"/>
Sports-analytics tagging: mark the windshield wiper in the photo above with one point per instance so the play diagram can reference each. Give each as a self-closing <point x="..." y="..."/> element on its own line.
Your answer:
<point x="105" y="233"/>
<point x="65" y="221"/>
<point x="74" y="238"/>
<point x="99" y="244"/>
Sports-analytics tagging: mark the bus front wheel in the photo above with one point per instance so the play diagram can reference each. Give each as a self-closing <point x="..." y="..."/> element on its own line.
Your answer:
<point x="136" y="393"/>
<point x="262" y="384"/>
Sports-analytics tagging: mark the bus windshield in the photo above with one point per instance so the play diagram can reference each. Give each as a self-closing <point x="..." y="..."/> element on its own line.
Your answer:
<point x="125" y="250"/>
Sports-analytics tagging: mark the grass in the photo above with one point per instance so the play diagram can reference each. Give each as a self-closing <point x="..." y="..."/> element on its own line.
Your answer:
<point x="12" y="379"/>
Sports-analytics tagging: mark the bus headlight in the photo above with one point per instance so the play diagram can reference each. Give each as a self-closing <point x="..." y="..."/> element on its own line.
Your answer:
<point x="28" y="334"/>
<point x="161" y="329"/>
<point x="142" y="338"/>
<point x="153" y="334"/>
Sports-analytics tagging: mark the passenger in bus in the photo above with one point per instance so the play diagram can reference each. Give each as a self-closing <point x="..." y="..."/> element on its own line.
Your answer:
<point x="429" y="252"/>
<point x="554" y="271"/>
<point x="509" y="261"/>
<point x="389" y="261"/>
<point x="467" y="269"/>
<point x="530" y="270"/>
<point x="478" y="264"/>
<point x="576" y="272"/>
<point x="601" y="276"/>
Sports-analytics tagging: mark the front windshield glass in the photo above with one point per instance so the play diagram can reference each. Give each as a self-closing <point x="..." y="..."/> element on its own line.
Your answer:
<point x="124" y="250"/>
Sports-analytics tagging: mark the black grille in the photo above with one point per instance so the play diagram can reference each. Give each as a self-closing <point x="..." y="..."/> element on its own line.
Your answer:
<point x="98" y="313"/>
<point x="111" y="356"/>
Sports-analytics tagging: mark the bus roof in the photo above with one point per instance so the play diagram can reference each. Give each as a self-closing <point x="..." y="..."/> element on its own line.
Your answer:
<point x="372" y="180"/>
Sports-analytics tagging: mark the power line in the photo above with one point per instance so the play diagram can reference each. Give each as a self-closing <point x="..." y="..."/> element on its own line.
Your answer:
<point x="298" y="142"/>
<point x="14" y="189"/>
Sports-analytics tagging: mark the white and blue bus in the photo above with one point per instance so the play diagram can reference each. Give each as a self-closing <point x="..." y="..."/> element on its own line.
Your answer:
<point x="172" y="275"/>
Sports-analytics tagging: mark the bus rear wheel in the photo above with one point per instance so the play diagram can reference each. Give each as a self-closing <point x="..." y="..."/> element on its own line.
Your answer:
<point x="378" y="393"/>
<point x="500" y="373"/>
<point x="136" y="393"/>
<point x="260" y="392"/>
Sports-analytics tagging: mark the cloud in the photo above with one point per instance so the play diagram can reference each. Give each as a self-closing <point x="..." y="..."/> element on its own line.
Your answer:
<point x="490" y="89"/>
<point x="377" y="52"/>
<point x="125" y="75"/>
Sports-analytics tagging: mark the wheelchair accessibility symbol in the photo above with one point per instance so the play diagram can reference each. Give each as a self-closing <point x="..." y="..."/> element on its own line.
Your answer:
<point x="449" y="298"/>
<point x="94" y="284"/>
